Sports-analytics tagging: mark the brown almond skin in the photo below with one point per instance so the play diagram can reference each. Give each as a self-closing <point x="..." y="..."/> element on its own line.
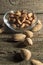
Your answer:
<point x="30" y="19"/>
<point x="23" y="19"/>
<point x="26" y="54"/>
<point x="29" y="33"/>
<point x="14" y="26"/>
<point x="30" y="14"/>
<point x="19" y="22"/>
<point x="27" y="21"/>
<point x="19" y="37"/>
<point x="1" y="30"/>
<point x="11" y="14"/>
<point x="36" y="62"/>
<point x="18" y="13"/>
<point x="23" y="25"/>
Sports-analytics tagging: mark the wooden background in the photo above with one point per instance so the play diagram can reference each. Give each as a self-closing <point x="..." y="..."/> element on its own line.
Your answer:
<point x="7" y="48"/>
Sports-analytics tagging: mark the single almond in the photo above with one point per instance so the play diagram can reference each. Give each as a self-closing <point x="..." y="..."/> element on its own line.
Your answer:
<point x="27" y="21"/>
<point x="36" y="62"/>
<point x="14" y="25"/>
<point x="23" y="19"/>
<point x="37" y="27"/>
<point x="29" y="33"/>
<point x="30" y="19"/>
<point x="33" y="21"/>
<point x="39" y="22"/>
<point x="19" y="22"/>
<point x="23" y="25"/>
<point x="29" y="41"/>
<point x="18" y="13"/>
<point x="19" y="37"/>
<point x="26" y="54"/>
<point x="11" y="14"/>
<point x="30" y="14"/>
<point x="1" y="30"/>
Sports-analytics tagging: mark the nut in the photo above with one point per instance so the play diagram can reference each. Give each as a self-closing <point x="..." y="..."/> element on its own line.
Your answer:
<point x="23" y="19"/>
<point x="18" y="13"/>
<point x="19" y="37"/>
<point x="26" y="54"/>
<point x="26" y="24"/>
<point x="24" y="15"/>
<point x="36" y="62"/>
<point x="39" y="22"/>
<point x="33" y="21"/>
<point x="14" y="25"/>
<point x="37" y="27"/>
<point x="29" y="33"/>
<point x="27" y="21"/>
<point x="23" y="25"/>
<point x="30" y="19"/>
<point x="30" y="14"/>
<point x="1" y="30"/>
<point x="29" y="41"/>
<point x="19" y="22"/>
<point x="11" y="14"/>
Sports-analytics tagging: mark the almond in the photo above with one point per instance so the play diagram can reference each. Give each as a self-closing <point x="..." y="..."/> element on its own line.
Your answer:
<point x="30" y="14"/>
<point x="19" y="37"/>
<point x="26" y="54"/>
<point x="36" y="62"/>
<point x="1" y="30"/>
<point x="14" y="25"/>
<point x="19" y="22"/>
<point x="18" y="13"/>
<point x="37" y="27"/>
<point x="29" y="33"/>
<point x="29" y="41"/>
<point x="23" y="25"/>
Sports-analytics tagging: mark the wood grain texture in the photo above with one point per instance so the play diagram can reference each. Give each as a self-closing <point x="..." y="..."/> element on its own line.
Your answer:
<point x="35" y="6"/>
<point x="7" y="47"/>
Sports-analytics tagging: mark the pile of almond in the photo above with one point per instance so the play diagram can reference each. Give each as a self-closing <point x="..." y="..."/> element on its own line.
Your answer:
<point x="21" y="19"/>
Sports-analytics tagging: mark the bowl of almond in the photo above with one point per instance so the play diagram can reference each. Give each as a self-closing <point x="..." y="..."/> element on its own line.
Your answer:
<point x="19" y="21"/>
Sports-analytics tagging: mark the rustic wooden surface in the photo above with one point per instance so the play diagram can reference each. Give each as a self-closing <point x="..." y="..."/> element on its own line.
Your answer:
<point x="7" y="48"/>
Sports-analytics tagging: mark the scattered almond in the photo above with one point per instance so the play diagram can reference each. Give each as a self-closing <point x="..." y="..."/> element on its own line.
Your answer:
<point x="19" y="37"/>
<point x="29" y="33"/>
<point x="37" y="27"/>
<point x="1" y="30"/>
<point x="26" y="54"/>
<point x="36" y="62"/>
<point x="29" y="41"/>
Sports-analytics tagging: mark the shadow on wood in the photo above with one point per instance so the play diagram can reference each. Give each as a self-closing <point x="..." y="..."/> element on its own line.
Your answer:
<point x="14" y="43"/>
<point x="16" y="57"/>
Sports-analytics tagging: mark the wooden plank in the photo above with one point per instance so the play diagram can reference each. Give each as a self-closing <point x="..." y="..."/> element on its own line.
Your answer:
<point x="7" y="48"/>
<point x="35" y="6"/>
